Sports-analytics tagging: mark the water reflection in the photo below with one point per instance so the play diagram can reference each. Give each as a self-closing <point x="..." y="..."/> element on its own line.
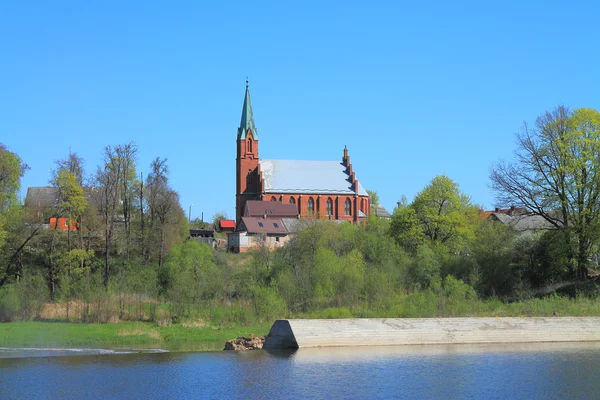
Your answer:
<point x="463" y="371"/>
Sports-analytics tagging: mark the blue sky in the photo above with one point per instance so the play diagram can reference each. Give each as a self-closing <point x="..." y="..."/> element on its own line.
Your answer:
<point x="413" y="89"/>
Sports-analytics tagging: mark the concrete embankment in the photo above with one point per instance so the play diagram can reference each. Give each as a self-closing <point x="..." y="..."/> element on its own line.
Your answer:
<point x="301" y="333"/>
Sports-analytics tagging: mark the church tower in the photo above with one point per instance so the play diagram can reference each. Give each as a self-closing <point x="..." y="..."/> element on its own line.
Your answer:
<point x="247" y="178"/>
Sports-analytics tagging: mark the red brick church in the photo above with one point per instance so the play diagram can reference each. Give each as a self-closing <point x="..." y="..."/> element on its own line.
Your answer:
<point x="318" y="189"/>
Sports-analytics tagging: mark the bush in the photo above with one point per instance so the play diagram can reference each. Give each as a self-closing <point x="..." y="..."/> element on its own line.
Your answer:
<point x="332" y="313"/>
<point x="9" y="304"/>
<point x="268" y="305"/>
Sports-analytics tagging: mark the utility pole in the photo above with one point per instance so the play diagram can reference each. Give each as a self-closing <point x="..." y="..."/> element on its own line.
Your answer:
<point x="190" y="214"/>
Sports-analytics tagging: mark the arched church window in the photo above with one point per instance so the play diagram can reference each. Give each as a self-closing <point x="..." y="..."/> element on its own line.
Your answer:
<point x="292" y="200"/>
<point x="273" y="198"/>
<point x="311" y="206"/>
<point x="250" y="145"/>
<point x="348" y="207"/>
<point x="329" y="206"/>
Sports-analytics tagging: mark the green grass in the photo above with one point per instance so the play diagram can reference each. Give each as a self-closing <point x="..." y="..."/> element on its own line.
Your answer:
<point x="123" y="334"/>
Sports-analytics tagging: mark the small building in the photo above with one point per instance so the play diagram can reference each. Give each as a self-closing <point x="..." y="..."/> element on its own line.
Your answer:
<point x="381" y="212"/>
<point x="255" y="232"/>
<point x="206" y="236"/>
<point x="202" y="233"/>
<point x="226" y="225"/>
<point x="62" y="224"/>
<point x="519" y="219"/>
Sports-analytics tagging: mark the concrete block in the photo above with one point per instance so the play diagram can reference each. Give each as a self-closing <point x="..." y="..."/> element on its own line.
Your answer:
<point x="302" y="333"/>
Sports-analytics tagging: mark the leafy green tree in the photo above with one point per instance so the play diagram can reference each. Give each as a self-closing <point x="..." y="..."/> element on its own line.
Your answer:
<point x="445" y="214"/>
<point x="493" y="251"/>
<point x="440" y="214"/>
<point x="11" y="171"/>
<point x="556" y="174"/>
<point x="189" y="275"/>
<point x="374" y="197"/>
<point x="406" y="229"/>
<point x="217" y="217"/>
<point x="72" y="202"/>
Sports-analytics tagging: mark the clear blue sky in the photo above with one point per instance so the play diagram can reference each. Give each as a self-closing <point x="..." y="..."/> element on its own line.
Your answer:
<point x="413" y="89"/>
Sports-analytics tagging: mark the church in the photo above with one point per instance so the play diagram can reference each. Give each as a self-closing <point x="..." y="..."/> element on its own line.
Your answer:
<point x="317" y="189"/>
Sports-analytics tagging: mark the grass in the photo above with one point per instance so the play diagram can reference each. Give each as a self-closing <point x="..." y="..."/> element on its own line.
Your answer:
<point x="123" y="334"/>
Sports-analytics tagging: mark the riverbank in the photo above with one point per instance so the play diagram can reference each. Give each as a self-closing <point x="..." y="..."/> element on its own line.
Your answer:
<point x="186" y="336"/>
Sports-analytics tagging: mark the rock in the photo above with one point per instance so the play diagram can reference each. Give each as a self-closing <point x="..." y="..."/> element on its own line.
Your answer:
<point x="244" y="343"/>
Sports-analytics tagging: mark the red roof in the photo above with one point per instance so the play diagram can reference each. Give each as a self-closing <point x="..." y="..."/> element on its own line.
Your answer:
<point x="227" y="223"/>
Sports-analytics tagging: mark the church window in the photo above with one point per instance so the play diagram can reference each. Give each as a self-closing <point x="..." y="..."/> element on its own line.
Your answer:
<point x="292" y="200"/>
<point x="273" y="198"/>
<point x="249" y="177"/>
<point x="329" y="206"/>
<point x="348" y="207"/>
<point x="250" y="145"/>
<point x="311" y="206"/>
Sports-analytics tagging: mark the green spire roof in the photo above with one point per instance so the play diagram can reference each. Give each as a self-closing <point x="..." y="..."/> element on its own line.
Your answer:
<point x="247" y="121"/>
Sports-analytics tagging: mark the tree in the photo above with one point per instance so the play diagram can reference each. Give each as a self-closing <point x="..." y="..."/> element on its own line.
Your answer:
<point x="11" y="171"/>
<point x="556" y="174"/>
<point x="74" y="164"/>
<point x="163" y="207"/>
<point x="440" y="213"/>
<point x="11" y="218"/>
<point x="405" y="228"/>
<point x="108" y="180"/>
<point x="217" y="217"/>
<point x="444" y="212"/>
<point x="72" y="202"/>
<point x="374" y="197"/>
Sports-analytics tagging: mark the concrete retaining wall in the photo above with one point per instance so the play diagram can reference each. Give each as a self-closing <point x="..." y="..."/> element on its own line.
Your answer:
<point x="300" y="333"/>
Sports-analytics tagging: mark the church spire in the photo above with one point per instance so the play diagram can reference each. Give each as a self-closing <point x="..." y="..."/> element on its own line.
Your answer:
<point x="247" y="122"/>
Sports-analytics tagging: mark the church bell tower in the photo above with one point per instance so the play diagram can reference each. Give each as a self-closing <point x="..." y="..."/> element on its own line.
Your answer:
<point x="247" y="178"/>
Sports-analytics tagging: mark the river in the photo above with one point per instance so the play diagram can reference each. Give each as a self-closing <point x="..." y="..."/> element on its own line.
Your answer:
<point x="518" y="371"/>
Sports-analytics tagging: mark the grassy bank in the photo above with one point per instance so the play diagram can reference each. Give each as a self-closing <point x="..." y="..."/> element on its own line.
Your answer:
<point x="188" y="336"/>
<point x="197" y="336"/>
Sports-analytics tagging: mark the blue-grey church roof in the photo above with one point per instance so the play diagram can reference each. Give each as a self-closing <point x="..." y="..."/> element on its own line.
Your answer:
<point x="318" y="177"/>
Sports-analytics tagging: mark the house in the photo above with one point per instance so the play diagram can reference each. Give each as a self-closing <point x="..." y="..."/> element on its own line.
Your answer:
<point x="381" y="212"/>
<point x="41" y="204"/>
<point x="519" y="219"/>
<point x="316" y="189"/>
<point x="202" y="233"/>
<point x="270" y="230"/>
<point x="226" y="225"/>
<point x="62" y="224"/>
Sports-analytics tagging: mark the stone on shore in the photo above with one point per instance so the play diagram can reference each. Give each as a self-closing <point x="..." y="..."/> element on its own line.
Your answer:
<point x="244" y="343"/>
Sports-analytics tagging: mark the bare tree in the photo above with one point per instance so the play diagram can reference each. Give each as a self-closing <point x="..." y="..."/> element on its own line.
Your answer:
<point x="162" y="202"/>
<point x="108" y="181"/>
<point x="556" y="174"/>
<point x="127" y="154"/>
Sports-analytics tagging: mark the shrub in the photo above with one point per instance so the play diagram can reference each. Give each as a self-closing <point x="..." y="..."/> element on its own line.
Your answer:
<point x="9" y="304"/>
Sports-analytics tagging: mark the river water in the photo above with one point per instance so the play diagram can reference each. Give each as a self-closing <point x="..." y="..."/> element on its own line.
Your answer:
<point x="519" y="371"/>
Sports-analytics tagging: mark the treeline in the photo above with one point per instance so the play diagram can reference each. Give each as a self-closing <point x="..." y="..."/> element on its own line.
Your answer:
<point x="119" y="225"/>
<point x="437" y="256"/>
